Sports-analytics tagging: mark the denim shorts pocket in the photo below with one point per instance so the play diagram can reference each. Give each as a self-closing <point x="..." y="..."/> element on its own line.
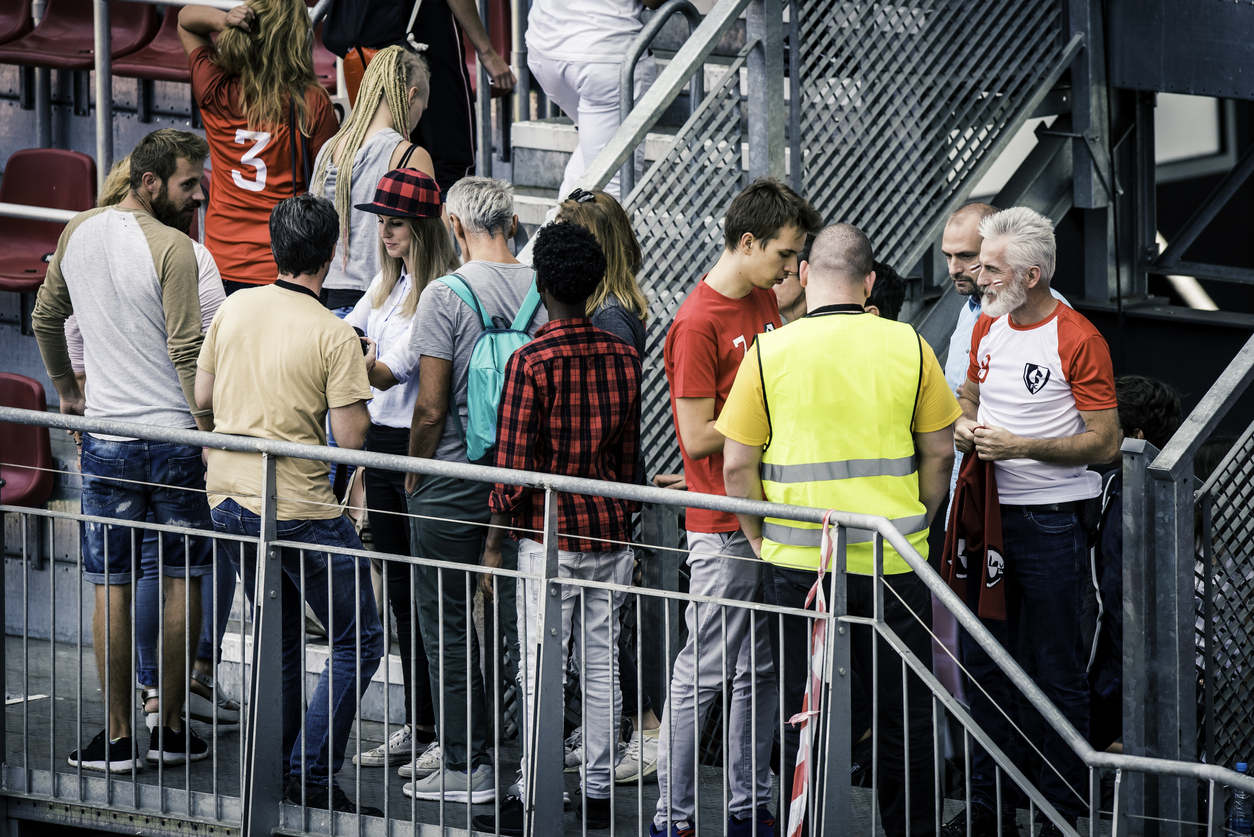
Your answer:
<point x="1053" y="523"/>
<point x="100" y="489"/>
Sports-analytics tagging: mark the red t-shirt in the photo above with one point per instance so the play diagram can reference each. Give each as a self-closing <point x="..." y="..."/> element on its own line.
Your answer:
<point x="252" y="170"/>
<point x="711" y="334"/>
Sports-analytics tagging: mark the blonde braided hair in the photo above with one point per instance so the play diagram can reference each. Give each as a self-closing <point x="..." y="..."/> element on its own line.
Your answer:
<point x="391" y="73"/>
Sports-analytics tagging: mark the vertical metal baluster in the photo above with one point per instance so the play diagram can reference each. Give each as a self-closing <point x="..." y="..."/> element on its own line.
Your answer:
<point x="52" y="651"/>
<point x="639" y="717"/>
<point x="263" y="760"/>
<point x="782" y="816"/>
<point x="188" y="663"/>
<point x="877" y="591"/>
<point x="905" y="737"/>
<point x="439" y="589"/>
<point x="583" y="706"/>
<point x="1114" y="818"/>
<point x="356" y="559"/>
<point x="1031" y="818"/>
<point x="544" y="779"/>
<point x="753" y="723"/>
<point x="668" y="717"/>
<point x="496" y="692"/>
<point x="135" y="558"/>
<point x="330" y="694"/>
<point x="1095" y="795"/>
<point x="966" y="755"/>
<point x="213" y="666"/>
<point x="79" y="705"/>
<point x="386" y="663"/>
<point x="696" y="718"/>
<point x="997" y="791"/>
<point x="414" y="639"/>
<point x="162" y="697"/>
<point x="938" y="759"/>
<point x="1212" y="809"/>
<point x="725" y="700"/>
<point x="26" y="767"/>
<point x="304" y="697"/>
<point x="470" y="627"/>
<point x="104" y="687"/>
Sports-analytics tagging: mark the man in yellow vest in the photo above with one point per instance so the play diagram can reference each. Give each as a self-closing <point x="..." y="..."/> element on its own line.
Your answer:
<point x="848" y="411"/>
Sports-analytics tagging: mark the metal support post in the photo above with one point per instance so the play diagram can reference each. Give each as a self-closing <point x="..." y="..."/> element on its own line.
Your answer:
<point x="1145" y="240"/>
<point x="765" y="22"/>
<point x="1138" y="621"/>
<point x="835" y="797"/>
<point x="659" y="570"/>
<point x="543" y="803"/>
<point x="104" y="92"/>
<point x="483" y="103"/>
<point x="1093" y="184"/>
<point x="795" y="168"/>
<point x="1099" y="254"/>
<point x="518" y="58"/>
<point x="263" y="761"/>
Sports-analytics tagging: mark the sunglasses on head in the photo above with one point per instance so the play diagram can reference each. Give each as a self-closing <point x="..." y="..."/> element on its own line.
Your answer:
<point x="581" y="196"/>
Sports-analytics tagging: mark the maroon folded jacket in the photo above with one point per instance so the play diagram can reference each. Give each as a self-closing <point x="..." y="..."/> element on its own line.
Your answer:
<point x="974" y="536"/>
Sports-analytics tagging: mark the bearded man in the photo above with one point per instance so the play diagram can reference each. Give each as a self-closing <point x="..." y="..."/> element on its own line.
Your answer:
<point x="1039" y="402"/>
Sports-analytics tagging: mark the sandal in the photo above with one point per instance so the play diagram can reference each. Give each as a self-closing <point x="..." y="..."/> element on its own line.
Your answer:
<point x="201" y="708"/>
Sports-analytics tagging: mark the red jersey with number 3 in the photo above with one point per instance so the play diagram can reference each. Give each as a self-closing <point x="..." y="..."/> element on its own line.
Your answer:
<point x="252" y="170"/>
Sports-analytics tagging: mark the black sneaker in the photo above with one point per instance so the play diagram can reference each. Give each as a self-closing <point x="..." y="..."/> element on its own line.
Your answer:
<point x="598" y="813"/>
<point x="316" y="797"/>
<point x="983" y="824"/>
<point x="166" y="745"/>
<point x="108" y="756"/>
<point x="512" y="822"/>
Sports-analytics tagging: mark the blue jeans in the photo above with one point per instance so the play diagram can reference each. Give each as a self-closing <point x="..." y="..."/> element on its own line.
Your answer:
<point x="338" y="589"/>
<point x="148" y="609"/>
<point x="1045" y="568"/>
<point x="126" y="481"/>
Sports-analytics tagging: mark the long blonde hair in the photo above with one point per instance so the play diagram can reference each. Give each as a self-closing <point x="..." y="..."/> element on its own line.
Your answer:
<point x="431" y="255"/>
<point x="391" y="73"/>
<point x="606" y="219"/>
<point x="117" y="183"/>
<point x="273" y="62"/>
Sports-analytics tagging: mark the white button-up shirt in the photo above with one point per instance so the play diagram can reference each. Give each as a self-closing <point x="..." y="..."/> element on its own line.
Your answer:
<point x="390" y="329"/>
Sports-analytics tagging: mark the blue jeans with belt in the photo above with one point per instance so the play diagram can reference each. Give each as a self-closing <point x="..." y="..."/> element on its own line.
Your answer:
<point x="1045" y="569"/>
<point x="338" y="589"/>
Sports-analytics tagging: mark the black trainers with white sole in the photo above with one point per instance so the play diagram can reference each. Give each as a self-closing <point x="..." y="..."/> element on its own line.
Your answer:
<point x="170" y="747"/>
<point x="108" y="756"/>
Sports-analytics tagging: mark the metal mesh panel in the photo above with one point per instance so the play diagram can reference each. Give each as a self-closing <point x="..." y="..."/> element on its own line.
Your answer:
<point x="678" y="213"/>
<point x="900" y="101"/>
<point x="1230" y="646"/>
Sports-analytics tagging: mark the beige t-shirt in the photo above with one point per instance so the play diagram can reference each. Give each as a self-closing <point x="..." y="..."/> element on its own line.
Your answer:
<point x="280" y="360"/>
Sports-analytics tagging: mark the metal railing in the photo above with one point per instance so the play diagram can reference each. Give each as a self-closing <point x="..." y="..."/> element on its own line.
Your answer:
<point x="245" y="784"/>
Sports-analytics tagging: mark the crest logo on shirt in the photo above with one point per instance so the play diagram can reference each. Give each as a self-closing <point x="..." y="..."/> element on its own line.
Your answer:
<point x="996" y="568"/>
<point x="1035" y="377"/>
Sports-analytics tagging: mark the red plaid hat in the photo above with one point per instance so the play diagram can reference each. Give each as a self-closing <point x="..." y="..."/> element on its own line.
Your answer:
<point x="405" y="193"/>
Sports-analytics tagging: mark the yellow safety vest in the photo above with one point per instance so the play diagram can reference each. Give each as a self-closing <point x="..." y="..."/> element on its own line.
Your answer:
<point x="840" y="396"/>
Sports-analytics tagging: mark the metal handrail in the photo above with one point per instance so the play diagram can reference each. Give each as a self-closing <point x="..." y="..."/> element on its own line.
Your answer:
<point x="575" y="485"/>
<point x="627" y="79"/>
<point x="36" y="213"/>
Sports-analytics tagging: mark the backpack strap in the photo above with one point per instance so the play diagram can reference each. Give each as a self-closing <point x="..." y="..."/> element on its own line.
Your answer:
<point x="527" y="311"/>
<point x="458" y="286"/>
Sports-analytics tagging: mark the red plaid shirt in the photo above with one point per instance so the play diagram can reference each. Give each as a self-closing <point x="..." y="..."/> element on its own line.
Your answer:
<point x="571" y="406"/>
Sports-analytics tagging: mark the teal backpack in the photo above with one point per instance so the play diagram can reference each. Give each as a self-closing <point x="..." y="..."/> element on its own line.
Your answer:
<point x="486" y="375"/>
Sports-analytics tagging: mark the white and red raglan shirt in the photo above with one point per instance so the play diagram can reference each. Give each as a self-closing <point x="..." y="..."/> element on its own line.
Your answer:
<point x="1034" y="381"/>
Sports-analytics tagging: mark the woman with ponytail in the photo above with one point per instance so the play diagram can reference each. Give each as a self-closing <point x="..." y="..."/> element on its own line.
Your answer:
<point x="266" y="117"/>
<point x="391" y="100"/>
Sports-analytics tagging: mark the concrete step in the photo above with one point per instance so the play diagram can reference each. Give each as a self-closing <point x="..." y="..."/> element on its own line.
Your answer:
<point x="542" y="147"/>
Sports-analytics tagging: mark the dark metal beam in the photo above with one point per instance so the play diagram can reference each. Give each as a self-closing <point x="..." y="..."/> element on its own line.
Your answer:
<point x="1208" y="210"/>
<point x="1218" y="272"/>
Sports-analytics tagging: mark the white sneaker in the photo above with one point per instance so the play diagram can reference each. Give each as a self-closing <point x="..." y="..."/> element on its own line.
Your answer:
<point x="397" y="750"/>
<point x="574" y="751"/>
<point x="424" y="765"/>
<point x="478" y="786"/>
<point x="639" y="759"/>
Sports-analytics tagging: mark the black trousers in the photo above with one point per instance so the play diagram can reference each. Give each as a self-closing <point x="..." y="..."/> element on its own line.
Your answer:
<point x="385" y="497"/>
<point x="788" y="588"/>
<point x="447" y="127"/>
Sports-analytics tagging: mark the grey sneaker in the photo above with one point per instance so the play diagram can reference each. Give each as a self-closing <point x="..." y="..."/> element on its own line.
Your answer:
<point x="639" y="759"/>
<point x="478" y="786"/>
<point x="424" y="765"/>
<point x="574" y="751"/>
<point x="397" y="750"/>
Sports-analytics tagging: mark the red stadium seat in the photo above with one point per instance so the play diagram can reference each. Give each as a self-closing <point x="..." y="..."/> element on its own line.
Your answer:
<point x="162" y="59"/>
<point x="40" y="177"/>
<point x="15" y="19"/>
<point x="64" y="38"/>
<point x="24" y="448"/>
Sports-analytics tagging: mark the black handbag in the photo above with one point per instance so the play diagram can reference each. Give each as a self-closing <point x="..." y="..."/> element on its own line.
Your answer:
<point x="369" y="24"/>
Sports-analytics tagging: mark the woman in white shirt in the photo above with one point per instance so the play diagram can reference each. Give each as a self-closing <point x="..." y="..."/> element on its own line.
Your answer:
<point x="414" y="249"/>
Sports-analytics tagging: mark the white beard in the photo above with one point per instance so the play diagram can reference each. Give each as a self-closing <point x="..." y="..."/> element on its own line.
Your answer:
<point x="1012" y="297"/>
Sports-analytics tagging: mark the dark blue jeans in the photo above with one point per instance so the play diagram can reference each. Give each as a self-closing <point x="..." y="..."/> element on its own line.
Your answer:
<point x="338" y="589"/>
<point x="1045" y="569"/>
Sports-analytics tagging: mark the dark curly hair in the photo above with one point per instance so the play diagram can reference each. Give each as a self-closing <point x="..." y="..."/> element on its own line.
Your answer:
<point x="1148" y="405"/>
<point x="568" y="261"/>
<point x="889" y="291"/>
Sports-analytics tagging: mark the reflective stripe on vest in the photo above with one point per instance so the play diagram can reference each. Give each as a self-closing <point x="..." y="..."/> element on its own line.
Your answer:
<point x="840" y="393"/>
<point x="791" y="534"/>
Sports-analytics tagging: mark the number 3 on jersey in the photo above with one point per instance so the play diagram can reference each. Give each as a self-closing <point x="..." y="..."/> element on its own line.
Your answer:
<point x="259" y="140"/>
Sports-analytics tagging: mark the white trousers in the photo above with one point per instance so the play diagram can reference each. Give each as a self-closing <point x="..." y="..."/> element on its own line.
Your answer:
<point x="589" y="94"/>
<point x="593" y="625"/>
